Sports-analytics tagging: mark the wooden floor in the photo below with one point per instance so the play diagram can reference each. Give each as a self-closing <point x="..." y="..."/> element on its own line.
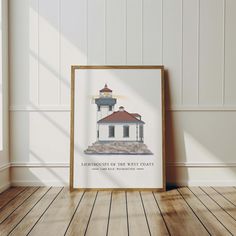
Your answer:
<point x="56" y="211"/>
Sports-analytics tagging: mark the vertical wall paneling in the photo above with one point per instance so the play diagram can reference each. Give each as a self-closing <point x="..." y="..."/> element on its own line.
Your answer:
<point x="172" y="47"/>
<point x="19" y="52"/>
<point x="198" y="50"/>
<point x="33" y="52"/>
<point x="4" y="85"/>
<point x="49" y="54"/>
<point x="230" y="52"/>
<point x="4" y="95"/>
<point x="190" y="52"/>
<point x="223" y="52"/>
<point x="194" y="39"/>
<point x="96" y="35"/>
<point x="211" y="52"/>
<point x="1" y="80"/>
<point x="182" y="48"/>
<point x="152" y="32"/>
<point x="115" y="32"/>
<point x="73" y="41"/>
<point x="134" y="31"/>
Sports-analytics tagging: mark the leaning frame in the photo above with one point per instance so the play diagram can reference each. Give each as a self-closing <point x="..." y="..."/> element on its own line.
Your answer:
<point x="72" y="113"/>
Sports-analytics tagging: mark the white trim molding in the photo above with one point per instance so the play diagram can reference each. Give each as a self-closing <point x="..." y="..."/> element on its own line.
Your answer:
<point x="67" y="165"/>
<point x="66" y="108"/>
<point x="5" y="166"/>
<point x="41" y="108"/>
<point x="201" y="164"/>
<point x="40" y="165"/>
<point x="185" y="108"/>
<point x="185" y="182"/>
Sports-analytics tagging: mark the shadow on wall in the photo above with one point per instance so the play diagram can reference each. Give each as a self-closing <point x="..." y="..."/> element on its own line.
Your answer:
<point x="177" y="134"/>
<point x="172" y="174"/>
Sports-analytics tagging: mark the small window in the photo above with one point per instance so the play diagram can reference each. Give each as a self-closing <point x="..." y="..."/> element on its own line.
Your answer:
<point x="125" y="131"/>
<point x="110" y="108"/>
<point x="98" y="134"/>
<point x="111" y="131"/>
<point x="99" y="108"/>
<point x="141" y="131"/>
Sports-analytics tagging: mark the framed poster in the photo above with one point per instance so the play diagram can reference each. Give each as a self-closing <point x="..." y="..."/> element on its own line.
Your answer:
<point x="117" y="127"/>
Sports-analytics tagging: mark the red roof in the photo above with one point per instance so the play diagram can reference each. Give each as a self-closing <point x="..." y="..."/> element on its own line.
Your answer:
<point x="119" y="117"/>
<point x="105" y="89"/>
<point x="135" y="114"/>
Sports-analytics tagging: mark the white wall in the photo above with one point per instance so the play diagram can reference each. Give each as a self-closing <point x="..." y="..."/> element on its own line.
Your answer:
<point x="4" y="128"/>
<point x="194" y="39"/>
<point x="104" y="111"/>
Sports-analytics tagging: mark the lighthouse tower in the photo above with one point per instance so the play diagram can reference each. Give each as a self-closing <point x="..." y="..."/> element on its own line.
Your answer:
<point x="105" y="103"/>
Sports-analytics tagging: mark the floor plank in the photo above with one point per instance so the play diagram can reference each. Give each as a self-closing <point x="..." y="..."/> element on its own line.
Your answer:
<point x="118" y="215"/>
<point x="221" y="201"/>
<point x="136" y="215"/>
<point x="228" y="192"/>
<point x="10" y="222"/>
<point x="221" y="215"/>
<point x="82" y="215"/>
<point x="56" y="219"/>
<point x="212" y="224"/>
<point x="27" y="223"/>
<point x="57" y="211"/>
<point x="9" y="194"/>
<point x="156" y="223"/>
<point x="16" y="202"/>
<point x="179" y="218"/>
<point x="99" y="219"/>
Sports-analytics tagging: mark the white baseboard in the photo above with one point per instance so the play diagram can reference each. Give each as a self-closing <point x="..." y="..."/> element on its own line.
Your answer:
<point x="5" y="187"/>
<point x="185" y="165"/>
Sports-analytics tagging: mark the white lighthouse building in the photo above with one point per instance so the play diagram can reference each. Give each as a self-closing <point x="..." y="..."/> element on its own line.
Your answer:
<point x="116" y="125"/>
<point x="105" y="103"/>
<point x="118" y="132"/>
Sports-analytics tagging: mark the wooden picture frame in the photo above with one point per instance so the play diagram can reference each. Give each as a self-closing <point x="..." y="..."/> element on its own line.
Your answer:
<point x="118" y="117"/>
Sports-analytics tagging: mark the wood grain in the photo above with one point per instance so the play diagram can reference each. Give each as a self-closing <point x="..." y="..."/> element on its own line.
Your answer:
<point x="212" y="224"/>
<point x="178" y="216"/>
<point x="118" y="215"/>
<point x="16" y="202"/>
<point x="155" y="221"/>
<point x="58" y="216"/>
<point x="10" y="222"/>
<point x="99" y="219"/>
<point x="227" y="192"/>
<point x="79" y="223"/>
<point x="221" y="201"/>
<point x="213" y="207"/>
<point x="136" y="215"/>
<point x="58" y="211"/>
<point x="9" y="194"/>
<point x="98" y="67"/>
<point x="28" y="222"/>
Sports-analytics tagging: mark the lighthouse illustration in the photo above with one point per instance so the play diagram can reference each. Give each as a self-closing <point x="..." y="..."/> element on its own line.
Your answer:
<point x="118" y="132"/>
